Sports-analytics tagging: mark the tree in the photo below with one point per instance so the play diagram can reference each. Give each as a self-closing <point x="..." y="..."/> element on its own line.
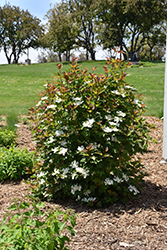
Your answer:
<point x="127" y="23"/>
<point x="61" y="30"/>
<point x="85" y="16"/>
<point x="19" y="30"/>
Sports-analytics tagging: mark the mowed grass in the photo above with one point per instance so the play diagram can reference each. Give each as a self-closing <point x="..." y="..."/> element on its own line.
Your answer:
<point x="20" y="85"/>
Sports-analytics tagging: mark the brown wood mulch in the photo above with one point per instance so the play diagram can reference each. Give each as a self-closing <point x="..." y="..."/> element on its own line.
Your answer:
<point x="140" y="224"/>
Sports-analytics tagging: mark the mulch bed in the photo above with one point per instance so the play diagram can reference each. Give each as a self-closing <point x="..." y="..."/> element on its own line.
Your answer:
<point x="140" y="224"/>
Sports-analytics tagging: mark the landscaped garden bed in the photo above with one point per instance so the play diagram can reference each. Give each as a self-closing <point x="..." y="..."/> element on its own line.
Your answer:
<point x="140" y="224"/>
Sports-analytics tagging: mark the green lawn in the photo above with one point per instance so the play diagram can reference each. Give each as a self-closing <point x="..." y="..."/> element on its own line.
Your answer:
<point x="19" y="85"/>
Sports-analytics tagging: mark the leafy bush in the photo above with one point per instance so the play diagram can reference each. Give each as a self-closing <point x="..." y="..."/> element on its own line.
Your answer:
<point x="88" y="129"/>
<point x="15" y="163"/>
<point x="28" y="227"/>
<point x="7" y="138"/>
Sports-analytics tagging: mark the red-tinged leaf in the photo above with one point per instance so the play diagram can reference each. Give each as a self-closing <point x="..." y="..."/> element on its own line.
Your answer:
<point x="140" y="95"/>
<point x="122" y="149"/>
<point x="60" y="66"/>
<point x="66" y="76"/>
<point x="94" y="68"/>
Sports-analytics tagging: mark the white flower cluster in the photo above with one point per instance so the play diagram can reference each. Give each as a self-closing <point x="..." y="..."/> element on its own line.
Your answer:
<point x="77" y="101"/>
<point x="125" y="177"/>
<point x="129" y="87"/>
<point x="65" y="172"/>
<point x="90" y="199"/>
<point x="80" y="148"/>
<point x="84" y="172"/>
<point x="89" y="123"/>
<point x="60" y="150"/>
<point x="120" y="113"/>
<point x="109" y="130"/>
<point x="136" y="101"/>
<point x="59" y="132"/>
<point x="117" y="179"/>
<point x="75" y="188"/>
<point x="133" y="189"/>
<point x="108" y="181"/>
<point x="58" y="100"/>
<point x="116" y="92"/>
<point x="52" y="106"/>
<point x="56" y="171"/>
<point x="51" y="139"/>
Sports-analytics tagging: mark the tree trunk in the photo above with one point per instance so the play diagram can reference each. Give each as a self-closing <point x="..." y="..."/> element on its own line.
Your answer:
<point x="87" y="55"/>
<point x="92" y="54"/>
<point x="59" y="56"/>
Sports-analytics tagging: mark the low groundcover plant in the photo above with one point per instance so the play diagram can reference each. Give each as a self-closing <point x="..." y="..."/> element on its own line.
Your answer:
<point x="15" y="163"/>
<point x="27" y="226"/>
<point x="88" y="129"/>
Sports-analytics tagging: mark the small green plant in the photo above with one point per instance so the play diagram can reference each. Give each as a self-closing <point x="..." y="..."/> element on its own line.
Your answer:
<point x="15" y="163"/>
<point x="7" y="138"/>
<point x="29" y="227"/>
<point x="11" y="121"/>
<point x="88" y="129"/>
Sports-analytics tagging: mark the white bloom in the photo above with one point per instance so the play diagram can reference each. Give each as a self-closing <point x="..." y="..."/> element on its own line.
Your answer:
<point x="116" y="92"/>
<point x="87" y="192"/>
<point x="129" y="87"/>
<point x="125" y="177"/>
<point x="41" y="181"/>
<point x="88" y="123"/>
<point x="56" y="171"/>
<point x="52" y="106"/>
<point x="117" y="179"/>
<point x="55" y="149"/>
<point x="44" y="98"/>
<point x="133" y="189"/>
<point x="136" y="101"/>
<point x="84" y="172"/>
<point x="75" y="188"/>
<point x="74" y="164"/>
<point x="51" y="139"/>
<point x="123" y="95"/>
<point x="77" y="101"/>
<point x="107" y="129"/>
<point x="65" y="172"/>
<point x="38" y="104"/>
<point x="59" y="132"/>
<point x="63" y="151"/>
<point x="63" y="143"/>
<point x="78" y="198"/>
<point x="113" y="123"/>
<point x="92" y="199"/>
<point x="58" y="100"/>
<point x="73" y="176"/>
<point x="108" y="117"/>
<point x="114" y="138"/>
<point x="108" y="181"/>
<point x="117" y="119"/>
<point x="40" y="174"/>
<point x="120" y="113"/>
<point x="80" y="148"/>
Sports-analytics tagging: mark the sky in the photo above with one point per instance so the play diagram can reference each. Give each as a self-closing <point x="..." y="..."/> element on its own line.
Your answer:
<point x="39" y="9"/>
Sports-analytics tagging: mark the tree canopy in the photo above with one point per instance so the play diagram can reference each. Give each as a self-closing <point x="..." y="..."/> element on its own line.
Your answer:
<point x="19" y="30"/>
<point x="127" y="23"/>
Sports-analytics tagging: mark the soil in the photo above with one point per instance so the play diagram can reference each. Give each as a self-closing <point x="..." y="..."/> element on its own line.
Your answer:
<point x="139" y="224"/>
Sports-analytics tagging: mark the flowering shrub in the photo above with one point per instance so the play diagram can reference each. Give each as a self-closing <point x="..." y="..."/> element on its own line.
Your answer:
<point x="88" y="129"/>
